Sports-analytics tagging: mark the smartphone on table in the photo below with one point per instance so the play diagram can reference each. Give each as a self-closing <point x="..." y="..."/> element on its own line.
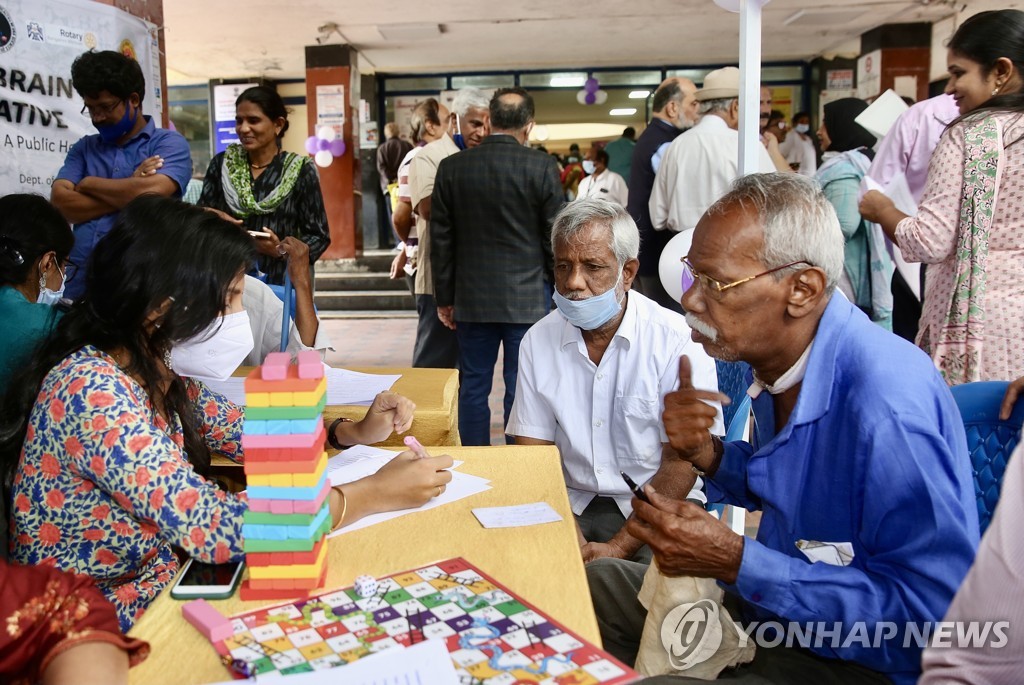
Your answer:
<point x="209" y="581"/>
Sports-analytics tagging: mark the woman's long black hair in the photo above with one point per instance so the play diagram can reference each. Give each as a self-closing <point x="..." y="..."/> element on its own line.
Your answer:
<point x="161" y="255"/>
<point x="29" y="228"/>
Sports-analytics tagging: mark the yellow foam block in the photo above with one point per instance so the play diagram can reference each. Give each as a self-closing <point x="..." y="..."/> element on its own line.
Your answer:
<point x="309" y="399"/>
<point x="313" y="570"/>
<point x="257" y="399"/>
<point x="282" y="399"/>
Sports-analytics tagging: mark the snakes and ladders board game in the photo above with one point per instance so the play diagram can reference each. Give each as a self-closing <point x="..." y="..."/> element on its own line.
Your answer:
<point x="494" y="637"/>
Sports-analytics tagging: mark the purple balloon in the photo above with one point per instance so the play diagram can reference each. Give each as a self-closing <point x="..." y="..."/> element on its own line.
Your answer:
<point x="311" y="146"/>
<point x="590" y="98"/>
<point x="337" y="147"/>
<point x="323" y="144"/>
<point x="591" y="85"/>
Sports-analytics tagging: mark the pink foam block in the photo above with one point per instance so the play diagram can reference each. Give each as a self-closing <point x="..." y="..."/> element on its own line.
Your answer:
<point x="275" y="366"/>
<point x="310" y="365"/>
<point x="214" y="625"/>
<point x="287" y="506"/>
<point x="298" y="441"/>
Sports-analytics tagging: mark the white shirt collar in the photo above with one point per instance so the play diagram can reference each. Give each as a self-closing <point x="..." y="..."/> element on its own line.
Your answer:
<point x="789" y="379"/>
<point x="627" y="329"/>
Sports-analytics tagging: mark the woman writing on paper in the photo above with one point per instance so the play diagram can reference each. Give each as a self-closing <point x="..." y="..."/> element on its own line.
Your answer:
<point x="968" y="227"/>
<point x="104" y="446"/>
<point x="266" y="190"/>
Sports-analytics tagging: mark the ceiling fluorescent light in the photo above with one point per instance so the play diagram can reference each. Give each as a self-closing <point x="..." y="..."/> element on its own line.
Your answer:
<point x="793" y="17"/>
<point x="408" y="32"/>
<point x="567" y="81"/>
<point x="638" y="94"/>
<point x="622" y="111"/>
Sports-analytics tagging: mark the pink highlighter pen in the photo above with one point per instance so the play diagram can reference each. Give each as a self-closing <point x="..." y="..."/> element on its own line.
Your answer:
<point x="414" y="444"/>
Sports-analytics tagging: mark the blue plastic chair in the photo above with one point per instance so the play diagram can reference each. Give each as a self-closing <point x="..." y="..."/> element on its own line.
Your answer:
<point x="732" y="381"/>
<point x="990" y="441"/>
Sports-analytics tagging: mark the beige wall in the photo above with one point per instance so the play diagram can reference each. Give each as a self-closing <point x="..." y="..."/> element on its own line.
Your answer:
<point x="295" y="138"/>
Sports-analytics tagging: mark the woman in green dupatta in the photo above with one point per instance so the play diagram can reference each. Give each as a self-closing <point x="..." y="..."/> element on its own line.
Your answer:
<point x="265" y="189"/>
<point x="969" y="227"/>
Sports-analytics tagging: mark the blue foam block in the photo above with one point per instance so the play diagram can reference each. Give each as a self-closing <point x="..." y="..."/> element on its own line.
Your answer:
<point x="262" y="531"/>
<point x="252" y="427"/>
<point x="280" y="427"/>
<point x="304" y="425"/>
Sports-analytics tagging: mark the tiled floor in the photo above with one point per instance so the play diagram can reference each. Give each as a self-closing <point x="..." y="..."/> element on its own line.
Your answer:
<point x="389" y="342"/>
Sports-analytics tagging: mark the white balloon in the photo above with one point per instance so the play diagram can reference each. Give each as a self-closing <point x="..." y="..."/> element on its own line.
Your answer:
<point x="602" y="97"/>
<point x="670" y="268"/>
<point x="581" y="97"/>
<point x="326" y="132"/>
<point x="323" y="158"/>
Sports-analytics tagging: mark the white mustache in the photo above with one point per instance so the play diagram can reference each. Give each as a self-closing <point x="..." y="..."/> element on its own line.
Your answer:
<point x="704" y="329"/>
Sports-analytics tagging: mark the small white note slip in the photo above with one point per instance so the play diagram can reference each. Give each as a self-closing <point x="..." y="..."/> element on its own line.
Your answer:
<point x="518" y="515"/>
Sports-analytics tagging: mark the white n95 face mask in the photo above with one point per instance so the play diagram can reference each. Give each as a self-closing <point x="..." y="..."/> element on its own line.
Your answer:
<point x="215" y="353"/>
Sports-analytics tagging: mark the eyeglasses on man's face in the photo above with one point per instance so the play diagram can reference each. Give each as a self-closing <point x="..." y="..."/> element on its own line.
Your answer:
<point x="101" y="111"/>
<point x="714" y="287"/>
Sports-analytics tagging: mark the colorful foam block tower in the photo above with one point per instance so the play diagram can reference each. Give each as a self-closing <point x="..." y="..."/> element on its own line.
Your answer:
<point x="289" y="514"/>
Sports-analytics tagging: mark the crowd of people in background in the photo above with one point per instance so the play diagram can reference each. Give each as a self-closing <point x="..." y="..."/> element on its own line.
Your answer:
<point x="803" y="273"/>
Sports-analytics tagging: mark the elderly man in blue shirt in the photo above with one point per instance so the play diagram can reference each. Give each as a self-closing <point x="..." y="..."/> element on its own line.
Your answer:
<point x="858" y="458"/>
<point x="129" y="156"/>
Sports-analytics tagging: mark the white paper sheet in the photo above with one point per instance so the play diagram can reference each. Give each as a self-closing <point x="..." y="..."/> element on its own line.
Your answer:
<point x="352" y="387"/>
<point x="879" y="117"/>
<point x="899" y="192"/>
<point x="362" y="461"/>
<point x="517" y="515"/>
<point x="343" y="387"/>
<point x="425" y="663"/>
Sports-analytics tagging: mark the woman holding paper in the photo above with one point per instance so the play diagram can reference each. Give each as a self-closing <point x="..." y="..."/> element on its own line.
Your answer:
<point x="968" y="227"/>
<point x="105" y="447"/>
<point x="867" y="269"/>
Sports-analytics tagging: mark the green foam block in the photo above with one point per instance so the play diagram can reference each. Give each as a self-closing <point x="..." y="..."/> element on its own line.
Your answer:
<point x="284" y="413"/>
<point x="280" y="519"/>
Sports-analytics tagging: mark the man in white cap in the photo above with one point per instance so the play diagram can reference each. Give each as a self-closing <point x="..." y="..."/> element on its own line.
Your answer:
<point x="699" y="168"/>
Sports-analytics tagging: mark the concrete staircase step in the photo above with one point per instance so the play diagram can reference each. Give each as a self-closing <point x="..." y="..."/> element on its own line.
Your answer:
<point x="364" y="300"/>
<point x="374" y="314"/>
<point x="369" y="280"/>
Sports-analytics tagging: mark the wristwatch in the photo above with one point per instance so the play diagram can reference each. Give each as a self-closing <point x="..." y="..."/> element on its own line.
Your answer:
<point x="332" y="439"/>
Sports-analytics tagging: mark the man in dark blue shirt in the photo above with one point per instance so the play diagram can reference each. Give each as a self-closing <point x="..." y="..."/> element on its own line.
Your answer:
<point x="129" y="156"/>
<point x="675" y="110"/>
<point x="858" y="459"/>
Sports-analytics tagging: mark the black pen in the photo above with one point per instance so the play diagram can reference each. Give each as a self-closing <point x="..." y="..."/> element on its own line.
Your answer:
<point x="641" y="495"/>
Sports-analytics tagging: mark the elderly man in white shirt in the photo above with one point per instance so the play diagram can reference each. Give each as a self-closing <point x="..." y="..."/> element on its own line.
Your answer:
<point x="602" y="181"/>
<point x="699" y="167"/>
<point x="593" y="375"/>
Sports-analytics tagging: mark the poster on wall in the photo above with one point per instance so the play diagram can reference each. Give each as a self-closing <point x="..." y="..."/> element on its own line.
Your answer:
<point x="223" y="98"/>
<point x="869" y="75"/>
<point x="330" y="108"/>
<point x="40" y="113"/>
<point x="404" y="107"/>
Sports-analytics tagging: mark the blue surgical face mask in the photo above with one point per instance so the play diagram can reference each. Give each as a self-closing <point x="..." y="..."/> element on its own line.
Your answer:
<point x="589" y="166"/>
<point x="51" y="297"/>
<point x="111" y="133"/>
<point x="802" y="128"/>
<point x="459" y="140"/>
<point x="593" y="312"/>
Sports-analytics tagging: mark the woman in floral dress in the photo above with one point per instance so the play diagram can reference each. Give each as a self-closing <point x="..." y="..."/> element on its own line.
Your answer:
<point x="105" y="448"/>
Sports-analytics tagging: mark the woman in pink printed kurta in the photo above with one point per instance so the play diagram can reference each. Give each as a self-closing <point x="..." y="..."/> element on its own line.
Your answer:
<point x="970" y="223"/>
<point x="931" y="238"/>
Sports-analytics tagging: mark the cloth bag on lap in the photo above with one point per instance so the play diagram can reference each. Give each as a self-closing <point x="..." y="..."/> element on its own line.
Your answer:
<point x="688" y="631"/>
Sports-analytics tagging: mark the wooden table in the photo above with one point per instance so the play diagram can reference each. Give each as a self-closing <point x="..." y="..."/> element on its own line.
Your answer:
<point x="540" y="563"/>
<point x="435" y="392"/>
